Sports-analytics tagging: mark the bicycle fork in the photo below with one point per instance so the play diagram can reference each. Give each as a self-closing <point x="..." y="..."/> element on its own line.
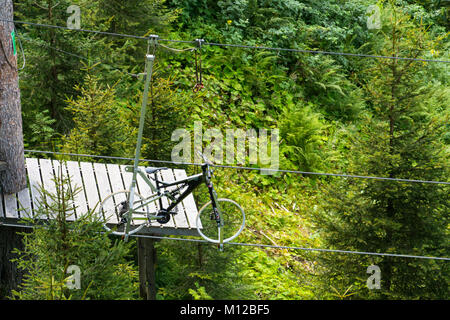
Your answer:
<point x="217" y="214"/>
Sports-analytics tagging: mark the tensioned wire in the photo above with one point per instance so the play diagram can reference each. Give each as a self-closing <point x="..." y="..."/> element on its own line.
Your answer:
<point x="247" y="168"/>
<point x="225" y="166"/>
<point x="270" y="246"/>
<point x="228" y="45"/>
<point x="94" y="62"/>
<point x="222" y="166"/>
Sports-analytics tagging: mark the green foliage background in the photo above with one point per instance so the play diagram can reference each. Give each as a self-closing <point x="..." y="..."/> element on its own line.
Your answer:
<point x="335" y="114"/>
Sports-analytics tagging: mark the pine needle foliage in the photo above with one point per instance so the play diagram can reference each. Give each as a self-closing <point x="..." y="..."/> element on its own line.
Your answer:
<point x="402" y="137"/>
<point x="55" y="244"/>
<point x="102" y="123"/>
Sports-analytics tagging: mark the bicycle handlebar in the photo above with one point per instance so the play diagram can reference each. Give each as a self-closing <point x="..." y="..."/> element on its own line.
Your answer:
<point x="208" y="163"/>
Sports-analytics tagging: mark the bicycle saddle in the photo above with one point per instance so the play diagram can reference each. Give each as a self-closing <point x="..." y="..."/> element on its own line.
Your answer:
<point x="151" y="170"/>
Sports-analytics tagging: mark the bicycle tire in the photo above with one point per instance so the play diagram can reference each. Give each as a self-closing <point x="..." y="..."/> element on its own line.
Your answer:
<point x="233" y="218"/>
<point x="111" y="203"/>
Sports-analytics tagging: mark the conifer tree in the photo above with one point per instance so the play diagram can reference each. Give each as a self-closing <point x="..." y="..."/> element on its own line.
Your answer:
<point x="50" y="72"/>
<point x="402" y="138"/>
<point x="102" y="123"/>
<point x="55" y="245"/>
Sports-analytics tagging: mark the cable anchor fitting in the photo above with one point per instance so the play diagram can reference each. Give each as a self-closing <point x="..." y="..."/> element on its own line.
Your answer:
<point x="198" y="66"/>
<point x="152" y="41"/>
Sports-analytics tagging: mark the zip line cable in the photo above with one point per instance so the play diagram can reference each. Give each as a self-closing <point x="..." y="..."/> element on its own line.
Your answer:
<point x="174" y="49"/>
<point x="238" y="167"/>
<point x="243" y="244"/>
<point x="230" y="45"/>
<point x="323" y="52"/>
<point x="246" y="168"/>
<point x="215" y="165"/>
<point x="199" y="41"/>
<point x="34" y="41"/>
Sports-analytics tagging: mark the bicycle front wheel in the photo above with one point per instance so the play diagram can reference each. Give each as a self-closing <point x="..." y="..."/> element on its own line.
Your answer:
<point x="233" y="221"/>
<point x="114" y="210"/>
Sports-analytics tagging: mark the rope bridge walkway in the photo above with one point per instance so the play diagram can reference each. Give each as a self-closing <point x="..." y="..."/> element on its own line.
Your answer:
<point x="96" y="181"/>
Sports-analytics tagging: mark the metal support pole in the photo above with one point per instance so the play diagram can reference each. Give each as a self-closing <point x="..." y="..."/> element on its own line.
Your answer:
<point x="149" y="69"/>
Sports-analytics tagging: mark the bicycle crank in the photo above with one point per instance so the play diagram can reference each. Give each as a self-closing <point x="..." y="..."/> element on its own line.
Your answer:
<point x="164" y="216"/>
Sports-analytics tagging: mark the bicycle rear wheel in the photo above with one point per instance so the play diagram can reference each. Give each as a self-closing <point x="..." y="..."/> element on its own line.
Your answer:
<point x="233" y="219"/>
<point x="114" y="211"/>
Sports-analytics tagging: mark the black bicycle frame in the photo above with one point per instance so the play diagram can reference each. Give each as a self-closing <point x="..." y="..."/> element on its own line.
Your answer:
<point x="192" y="183"/>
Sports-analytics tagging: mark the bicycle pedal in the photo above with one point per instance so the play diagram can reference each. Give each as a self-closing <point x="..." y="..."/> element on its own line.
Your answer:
<point x="164" y="217"/>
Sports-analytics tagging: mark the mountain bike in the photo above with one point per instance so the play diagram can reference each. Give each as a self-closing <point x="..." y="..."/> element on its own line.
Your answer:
<point x="219" y="221"/>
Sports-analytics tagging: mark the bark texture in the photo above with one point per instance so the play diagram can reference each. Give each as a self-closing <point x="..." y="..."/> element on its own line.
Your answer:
<point x="10" y="276"/>
<point x="13" y="179"/>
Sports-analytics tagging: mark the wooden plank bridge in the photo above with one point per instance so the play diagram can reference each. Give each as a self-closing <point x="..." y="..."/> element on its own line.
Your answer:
<point x="95" y="182"/>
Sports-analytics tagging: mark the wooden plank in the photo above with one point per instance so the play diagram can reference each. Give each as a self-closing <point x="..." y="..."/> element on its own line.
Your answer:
<point x="90" y="185"/>
<point x="126" y="177"/>
<point x="48" y="179"/>
<point x="48" y="176"/>
<point x="117" y="185"/>
<point x="11" y="206"/>
<point x="165" y="203"/>
<point x="115" y="177"/>
<point x="34" y="177"/>
<point x="55" y="174"/>
<point x="189" y="204"/>
<point x="60" y="168"/>
<point x="103" y="186"/>
<point x="179" y="218"/>
<point x="24" y="199"/>
<point x="76" y="183"/>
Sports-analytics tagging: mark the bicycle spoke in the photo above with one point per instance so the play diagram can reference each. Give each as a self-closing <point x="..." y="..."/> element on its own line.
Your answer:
<point x="233" y="221"/>
<point x="116" y="205"/>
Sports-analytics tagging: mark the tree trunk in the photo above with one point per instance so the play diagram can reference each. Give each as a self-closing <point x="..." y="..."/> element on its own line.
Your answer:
<point x="13" y="179"/>
<point x="10" y="276"/>
<point x="53" y="71"/>
<point x="147" y="261"/>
